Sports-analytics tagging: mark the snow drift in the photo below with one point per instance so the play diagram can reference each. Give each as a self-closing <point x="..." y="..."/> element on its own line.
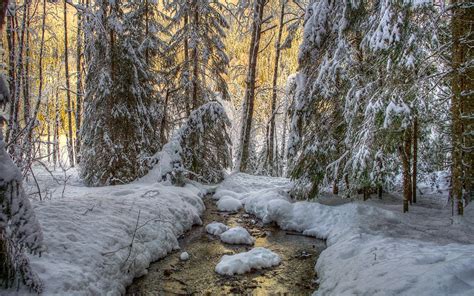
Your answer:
<point x="372" y="248"/>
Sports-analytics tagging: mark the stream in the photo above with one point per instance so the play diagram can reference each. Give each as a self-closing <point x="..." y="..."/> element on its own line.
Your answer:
<point x="294" y="276"/>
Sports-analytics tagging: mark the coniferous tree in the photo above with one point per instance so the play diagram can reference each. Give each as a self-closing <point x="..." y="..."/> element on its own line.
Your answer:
<point x="359" y="86"/>
<point x="122" y="114"/>
<point x="199" y="29"/>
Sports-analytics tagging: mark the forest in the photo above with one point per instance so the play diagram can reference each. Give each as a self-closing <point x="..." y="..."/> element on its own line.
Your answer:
<point x="236" y="147"/>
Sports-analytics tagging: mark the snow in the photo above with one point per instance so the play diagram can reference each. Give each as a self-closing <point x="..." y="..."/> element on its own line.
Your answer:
<point x="88" y="232"/>
<point x="372" y="247"/>
<point x="184" y="256"/>
<point x="237" y="235"/>
<point x="229" y="204"/>
<point x="216" y="228"/>
<point x="257" y="258"/>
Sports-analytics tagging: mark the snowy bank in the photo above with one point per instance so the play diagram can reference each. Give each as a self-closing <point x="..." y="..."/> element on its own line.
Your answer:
<point x="372" y="248"/>
<point x="98" y="239"/>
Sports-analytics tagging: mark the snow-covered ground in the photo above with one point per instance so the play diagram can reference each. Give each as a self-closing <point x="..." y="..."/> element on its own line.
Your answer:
<point x="98" y="239"/>
<point x="373" y="248"/>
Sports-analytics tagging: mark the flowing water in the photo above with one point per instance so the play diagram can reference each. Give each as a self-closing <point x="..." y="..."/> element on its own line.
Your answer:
<point x="294" y="276"/>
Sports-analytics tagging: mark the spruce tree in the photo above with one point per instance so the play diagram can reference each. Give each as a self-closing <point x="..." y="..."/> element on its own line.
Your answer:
<point x="122" y="112"/>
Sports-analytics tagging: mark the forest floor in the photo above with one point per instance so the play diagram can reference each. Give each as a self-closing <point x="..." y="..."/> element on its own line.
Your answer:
<point x="294" y="276"/>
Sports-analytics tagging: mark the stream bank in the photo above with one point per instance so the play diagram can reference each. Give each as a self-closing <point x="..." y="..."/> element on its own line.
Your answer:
<point x="196" y="276"/>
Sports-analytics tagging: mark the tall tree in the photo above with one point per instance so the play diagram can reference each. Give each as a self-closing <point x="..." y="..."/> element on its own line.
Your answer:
<point x="462" y="87"/>
<point x="70" y="140"/>
<point x="120" y="130"/>
<point x="249" y="99"/>
<point x="199" y="33"/>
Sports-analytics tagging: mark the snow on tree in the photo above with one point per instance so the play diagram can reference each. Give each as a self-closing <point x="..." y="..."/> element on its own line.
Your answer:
<point x="358" y="89"/>
<point x="199" y="32"/>
<point x="122" y="112"/>
<point x="19" y="228"/>
<point x="200" y="149"/>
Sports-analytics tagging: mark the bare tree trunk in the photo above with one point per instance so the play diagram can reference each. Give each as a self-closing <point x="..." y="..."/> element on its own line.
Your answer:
<point x="56" y="154"/>
<point x="456" y="170"/>
<point x="14" y="125"/>
<point x="11" y="38"/>
<point x="249" y="100"/>
<point x="70" y="143"/>
<point x="26" y="76"/>
<point x="163" y="126"/>
<point x="271" y="141"/>
<point x="405" y="152"/>
<point x="79" y="88"/>
<point x="335" y="188"/>
<point x="462" y="106"/>
<point x="195" y="57"/>
<point x="186" y="67"/>
<point x="415" y="158"/>
<point x="147" y="30"/>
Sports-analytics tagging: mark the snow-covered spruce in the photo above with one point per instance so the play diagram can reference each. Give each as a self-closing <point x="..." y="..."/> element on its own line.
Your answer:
<point x="257" y="258"/>
<point x="122" y="111"/>
<point x="237" y="235"/>
<point x="201" y="148"/>
<point x="19" y="228"/>
<point x="357" y="138"/>
<point x="216" y="228"/>
<point x="229" y="204"/>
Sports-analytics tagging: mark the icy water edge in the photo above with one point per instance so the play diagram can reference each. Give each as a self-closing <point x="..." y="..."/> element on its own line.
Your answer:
<point x="294" y="276"/>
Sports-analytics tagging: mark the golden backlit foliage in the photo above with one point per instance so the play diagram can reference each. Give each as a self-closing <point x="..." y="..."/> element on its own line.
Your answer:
<point x="54" y="90"/>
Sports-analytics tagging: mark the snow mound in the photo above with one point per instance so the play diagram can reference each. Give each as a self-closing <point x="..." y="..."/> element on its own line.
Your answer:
<point x="87" y="232"/>
<point x="237" y="235"/>
<point x="257" y="258"/>
<point x="216" y="228"/>
<point x="229" y="204"/>
<point x="184" y="256"/>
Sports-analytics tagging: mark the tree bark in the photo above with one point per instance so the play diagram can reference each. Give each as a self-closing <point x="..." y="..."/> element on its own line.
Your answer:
<point x="79" y="88"/>
<point x="415" y="158"/>
<point x="271" y="141"/>
<point x="70" y="143"/>
<point x="195" y="57"/>
<point x="405" y="152"/>
<point x="249" y="100"/>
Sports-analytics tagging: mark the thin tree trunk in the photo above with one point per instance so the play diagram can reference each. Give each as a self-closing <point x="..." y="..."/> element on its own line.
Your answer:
<point x="335" y="188"/>
<point x="249" y="99"/>
<point x="79" y="89"/>
<point x="56" y="154"/>
<point x="456" y="170"/>
<point x="405" y="152"/>
<point x="195" y="57"/>
<point x="11" y="69"/>
<point x="146" y="30"/>
<point x="163" y="126"/>
<point x="271" y="140"/>
<point x="26" y="75"/>
<point x="415" y="158"/>
<point x="186" y="68"/>
<point x="14" y="117"/>
<point x="70" y="143"/>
